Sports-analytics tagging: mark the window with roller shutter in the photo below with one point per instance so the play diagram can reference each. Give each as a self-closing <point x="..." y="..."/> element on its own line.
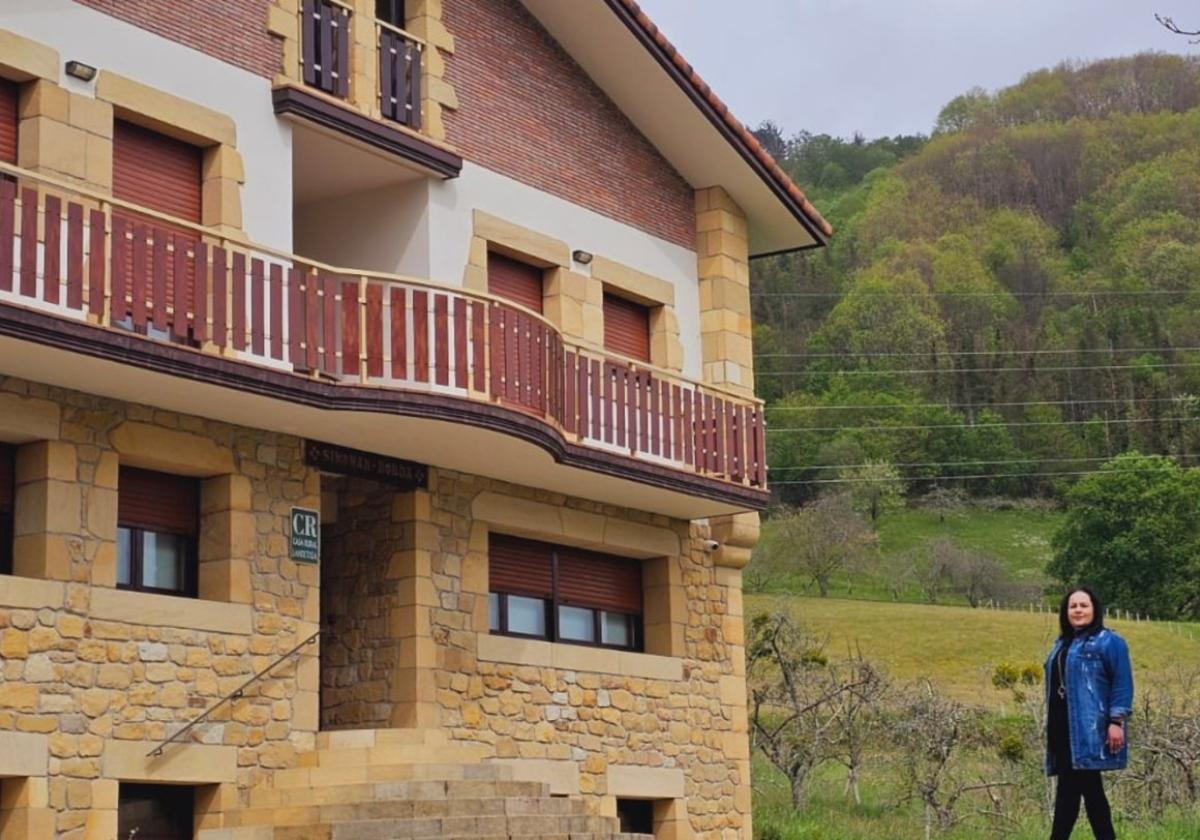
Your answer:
<point x="162" y="174"/>
<point x="626" y="327"/>
<point x="564" y="594"/>
<point x="156" y="171"/>
<point x="7" y="496"/>
<point x="514" y="280"/>
<point x="158" y="528"/>
<point x="8" y="121"/>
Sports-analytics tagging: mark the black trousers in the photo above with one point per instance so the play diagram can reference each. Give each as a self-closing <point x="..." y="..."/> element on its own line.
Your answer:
<point x="1074" y="785"/>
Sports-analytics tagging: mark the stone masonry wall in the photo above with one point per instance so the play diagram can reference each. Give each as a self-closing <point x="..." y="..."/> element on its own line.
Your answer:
<point x="102" y="674"/>
<point x="601" y="721"/>
<point x="360" y="653"/>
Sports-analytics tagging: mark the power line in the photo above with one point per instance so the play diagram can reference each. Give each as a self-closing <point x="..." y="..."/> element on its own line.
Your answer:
<point x="950" y="407"/>
<point x="1006" y="294"/>
<point x="972" y="426"/>
<point x="979" y="476"/>
<point x="913" y="371"/>
<point x="970" y="462"/>
<point x="920" y="354"/>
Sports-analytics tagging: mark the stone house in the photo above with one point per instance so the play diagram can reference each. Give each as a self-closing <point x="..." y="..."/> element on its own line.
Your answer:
<point x="378" y="445"/>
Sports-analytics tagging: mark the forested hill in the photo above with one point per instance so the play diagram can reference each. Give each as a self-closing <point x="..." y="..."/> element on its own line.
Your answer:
<point x="1016" y="296"/>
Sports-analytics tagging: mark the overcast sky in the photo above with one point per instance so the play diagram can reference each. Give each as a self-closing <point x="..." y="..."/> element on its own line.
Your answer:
<point x="887" y="67"/>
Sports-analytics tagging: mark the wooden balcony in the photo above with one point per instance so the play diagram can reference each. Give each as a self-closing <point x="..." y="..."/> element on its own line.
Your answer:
<point x="327" y="57"/>
<point x="161" y="287"/>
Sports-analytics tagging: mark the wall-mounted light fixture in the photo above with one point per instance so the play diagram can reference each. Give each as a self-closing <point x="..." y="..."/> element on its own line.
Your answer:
<point x="581" y="257"/>
<point x="81" y="71"/>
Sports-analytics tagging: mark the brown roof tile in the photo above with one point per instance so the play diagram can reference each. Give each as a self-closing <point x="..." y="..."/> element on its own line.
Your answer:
<point x="740" y="132"/>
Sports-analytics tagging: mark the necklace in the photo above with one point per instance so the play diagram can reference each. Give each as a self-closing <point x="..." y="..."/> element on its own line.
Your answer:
<point x="1062" y="682"/>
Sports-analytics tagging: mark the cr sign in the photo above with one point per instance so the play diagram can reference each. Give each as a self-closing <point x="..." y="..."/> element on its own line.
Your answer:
<point x="306" y="535"/>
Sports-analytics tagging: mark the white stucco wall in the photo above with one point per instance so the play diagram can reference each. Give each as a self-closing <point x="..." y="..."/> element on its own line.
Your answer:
<point x="81" y="34"/>
<point x="380" y="230"/>
<point x="451" y="204"/>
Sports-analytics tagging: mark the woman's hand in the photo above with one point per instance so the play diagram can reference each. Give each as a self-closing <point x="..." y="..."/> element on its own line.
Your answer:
<point x="1116" y="737"/>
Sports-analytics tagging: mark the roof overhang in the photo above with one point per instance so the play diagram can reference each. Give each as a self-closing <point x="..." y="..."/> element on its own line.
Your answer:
<point x="644" y="76"/>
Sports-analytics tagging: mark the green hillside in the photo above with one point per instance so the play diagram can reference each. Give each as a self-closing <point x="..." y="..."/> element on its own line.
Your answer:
<point x="1007" y="303"/>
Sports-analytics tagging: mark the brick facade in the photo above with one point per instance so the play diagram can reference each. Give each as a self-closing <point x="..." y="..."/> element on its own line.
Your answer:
<point x="234" y="31"/>
<point x="529" y="112"/>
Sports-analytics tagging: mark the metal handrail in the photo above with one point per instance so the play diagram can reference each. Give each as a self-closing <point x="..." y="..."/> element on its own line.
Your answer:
<point x="233" y="695"/>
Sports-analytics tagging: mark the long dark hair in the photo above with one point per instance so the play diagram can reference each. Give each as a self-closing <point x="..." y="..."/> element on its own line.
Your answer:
<point x="1065" y="629"/>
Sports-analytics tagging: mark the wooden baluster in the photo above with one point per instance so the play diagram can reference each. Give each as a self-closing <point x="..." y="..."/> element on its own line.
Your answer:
<point x="74" y="256"/>
<point x="441" y="339"/>
<point x="158" y="272"/>
<point x="96" y="262"/>
<point x="52" y="250"/>
<point x="258" y="314"/>
<point x="179" y="286"/>
<point x="137" y="295"/>
<point x="460" y="343"/>
<point x="8" y="234"/>
<point x="329" y="320"/>
<point x="200" y="291"/>
<point x="374" y="329"/>
<point x="276" y="311"/>
<point x="29" y="242"/>
<point x="478" y="346"/>
<point x="421" y="335"/>
<point x="351" y="361"/>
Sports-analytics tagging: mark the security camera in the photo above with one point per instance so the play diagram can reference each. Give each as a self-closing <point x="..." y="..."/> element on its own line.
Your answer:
<point x="711" y="545"/>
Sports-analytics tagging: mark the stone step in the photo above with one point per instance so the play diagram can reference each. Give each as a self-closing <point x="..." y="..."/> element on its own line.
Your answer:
<point x="359" y="738"/>
<point x="351" y="785"/>
<point x="458" y="753"/>
<point x="499" y="825"/>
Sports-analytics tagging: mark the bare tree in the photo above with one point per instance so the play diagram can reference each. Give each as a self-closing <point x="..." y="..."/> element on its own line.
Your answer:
<point x="1171" y="26"/>
<point x="976" y="576"/>
<point x="932" y="733"/>
<point x="820" y="539"/>
<point x="794" y="696"/>
<point x="856" y="716"/>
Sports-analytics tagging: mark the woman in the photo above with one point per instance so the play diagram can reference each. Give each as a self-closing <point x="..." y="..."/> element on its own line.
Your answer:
<point x="1089" y="696"/>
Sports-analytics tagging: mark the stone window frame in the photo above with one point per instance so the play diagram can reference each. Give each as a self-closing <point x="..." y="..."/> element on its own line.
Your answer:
<point x="551" y="605"/>
<point x="227" y="537"/>
<point x="222" y="172"/>
<point x="573" y="301"/>
<point x="664" y="610"/>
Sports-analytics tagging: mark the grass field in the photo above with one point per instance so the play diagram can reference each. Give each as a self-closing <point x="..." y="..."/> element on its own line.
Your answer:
<point x="957" y="647"/>
<point x="1018" y="538"/>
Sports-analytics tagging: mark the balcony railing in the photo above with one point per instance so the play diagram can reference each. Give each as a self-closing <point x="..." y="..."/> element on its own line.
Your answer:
<point x="80" y="256"/>
<point x="326" y="45"/>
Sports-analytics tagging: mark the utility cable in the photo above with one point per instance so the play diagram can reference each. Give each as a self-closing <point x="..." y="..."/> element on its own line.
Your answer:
<point x="1005" y="294"/>
<point x="968" y="462"/>
<point x="979" y="406"/>
<point x="979" y="476"/>
<point x="915" y="371"/>
<point x="970" y="427"/>
<point x="920" y="354"/>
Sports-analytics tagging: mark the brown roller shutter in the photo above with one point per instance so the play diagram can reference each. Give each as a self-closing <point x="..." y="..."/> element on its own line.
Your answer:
<point x="601" y="581"/>
<point x="7" y="490"/>
<point x="8" y="121"/>
<point x="158" y="502"/>
<point x="156" y="171"/>
<point x="626" y="327"/>
<point x="520" y="567"/>
<point x="514" y="280"/>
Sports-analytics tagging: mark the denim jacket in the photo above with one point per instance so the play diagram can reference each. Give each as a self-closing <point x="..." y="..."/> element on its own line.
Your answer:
<point x="1099" y="679"/>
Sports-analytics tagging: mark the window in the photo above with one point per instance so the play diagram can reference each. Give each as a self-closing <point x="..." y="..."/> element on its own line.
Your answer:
<point x="7" y="494"/>
<point x="163" y="174"/>
<point x="563" y="594"/>
<point x="514" y="280"/>
<point x="156" y="812"/>
<point x="636" y="816"/>
<point x="156" y="171"/>
<point x="158" y="522"/>
<point x="8" y="121"/>
<point x="390" y="11"/>
<point x="626" y="327"/>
